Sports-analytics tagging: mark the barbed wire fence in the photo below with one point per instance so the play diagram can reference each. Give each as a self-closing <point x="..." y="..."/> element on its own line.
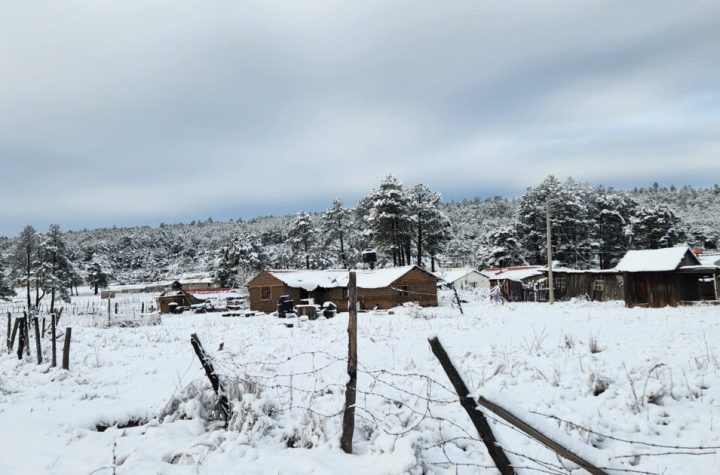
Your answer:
<point x="301" y="396"/>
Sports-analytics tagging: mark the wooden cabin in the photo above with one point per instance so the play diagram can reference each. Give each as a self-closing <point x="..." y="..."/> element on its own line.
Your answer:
<point x="381" y="288"/>
<point x="598" y="285"/>
<point x="517" y="283"/>
<point x="170" y="301"/>
<point x="665" y="277"/>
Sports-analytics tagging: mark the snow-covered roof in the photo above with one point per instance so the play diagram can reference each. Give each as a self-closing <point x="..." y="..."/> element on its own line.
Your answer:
<point x="452" y="275"/>
<point x="654" y="260"/>
<point x="709" y="259"/>
<point x="517" y="274"/>
<point x="332" y="278"/>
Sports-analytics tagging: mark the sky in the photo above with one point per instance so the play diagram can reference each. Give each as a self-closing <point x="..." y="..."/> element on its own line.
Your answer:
<point x="140" y="112"/>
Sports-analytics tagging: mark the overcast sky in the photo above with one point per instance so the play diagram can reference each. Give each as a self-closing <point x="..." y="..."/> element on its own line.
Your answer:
<point x="133" y="112"/>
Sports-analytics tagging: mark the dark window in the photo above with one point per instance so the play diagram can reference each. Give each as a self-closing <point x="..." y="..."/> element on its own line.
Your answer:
<point x="265" y="293"/>
<point x="404" y="289"/>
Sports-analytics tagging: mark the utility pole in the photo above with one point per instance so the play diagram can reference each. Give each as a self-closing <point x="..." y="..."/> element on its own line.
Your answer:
<point x="551" y="286"/>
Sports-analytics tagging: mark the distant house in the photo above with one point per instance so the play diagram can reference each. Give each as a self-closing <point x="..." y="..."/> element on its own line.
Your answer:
<point x="594" y="284"/>
<point x="383" y="288"/>
<point x="171" y="300"/>
<point x="464" y="278"/>
<point x="662" y="277"/>
<point x="517" y="282"/>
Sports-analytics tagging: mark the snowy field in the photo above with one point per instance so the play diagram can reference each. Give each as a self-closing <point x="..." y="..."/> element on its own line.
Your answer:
<point x="646" y="376"/>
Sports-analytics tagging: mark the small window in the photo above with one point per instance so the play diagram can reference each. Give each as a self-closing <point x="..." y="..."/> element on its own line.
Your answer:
<point x="560" y="283"/>
<point x="599" y="285"/>
<point x="265" y="293"/>
<point x="404" y="291"/>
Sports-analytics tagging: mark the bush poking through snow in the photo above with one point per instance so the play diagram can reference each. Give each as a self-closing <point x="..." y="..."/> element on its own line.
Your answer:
<point x="598" y="384"/>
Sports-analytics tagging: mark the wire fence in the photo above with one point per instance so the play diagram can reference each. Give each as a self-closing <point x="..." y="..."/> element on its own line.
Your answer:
<point x="309" y="387"/>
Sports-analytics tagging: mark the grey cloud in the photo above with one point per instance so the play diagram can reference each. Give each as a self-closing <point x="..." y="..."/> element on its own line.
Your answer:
<point x="155" y="110"/>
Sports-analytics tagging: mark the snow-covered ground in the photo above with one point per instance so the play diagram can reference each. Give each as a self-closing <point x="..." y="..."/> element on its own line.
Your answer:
<point x="645" y="375"/>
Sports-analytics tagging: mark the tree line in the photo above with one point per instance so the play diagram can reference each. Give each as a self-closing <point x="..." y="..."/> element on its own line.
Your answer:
<point x="593" y="227"/>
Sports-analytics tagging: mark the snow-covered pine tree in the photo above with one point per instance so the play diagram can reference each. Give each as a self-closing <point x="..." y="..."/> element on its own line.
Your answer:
<point x="302" y="235"/>
<point x="57" y="271"/>
<point x="614" y="219"/>
<point x="97" y="273"/>
<point x="655" y="228"/>
<point x="501" y="249"/>
<point x="430" y="223"/>
<point x="6" y="289"/>
<point x="25" y="261"/>
<point x="335" y="222"/>
<point x="390" y="221"/>
<point x="239" y="260"/>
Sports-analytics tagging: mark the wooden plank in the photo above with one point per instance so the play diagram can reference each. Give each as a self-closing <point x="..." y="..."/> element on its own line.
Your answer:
<point x="348" y="425"/>
<point x="546" y="440"/>
<point x="471" y="407"/>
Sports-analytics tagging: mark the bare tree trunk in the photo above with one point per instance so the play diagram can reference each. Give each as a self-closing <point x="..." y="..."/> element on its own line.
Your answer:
<point x="419" y="242"/>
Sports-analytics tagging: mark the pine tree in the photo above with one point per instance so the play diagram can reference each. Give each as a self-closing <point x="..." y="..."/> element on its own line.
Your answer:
<point x="656" y="228"/>
<point x="390" y="220"/>
<point x="25" y="261"/>
<point x="239" y="260"/>
<point x="57" y="270"/>
<point x="335" y="222"/>
<point x="6" y="289"/>
<point x="431" y="225"/>
<point x="302" y="235"/>
<point x="97" y="274"/>
<point x="502" y="249"/>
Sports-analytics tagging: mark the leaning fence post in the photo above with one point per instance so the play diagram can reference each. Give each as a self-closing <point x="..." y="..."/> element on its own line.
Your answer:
<point x="348" y="425"/>
<point x="16" y="325"/>
<point x="457" y="298"/>
<point x="212" y="375"/>
<point x="471" y="407"/>
<point x="66" y="349"/>
<point x="38" y="346"/>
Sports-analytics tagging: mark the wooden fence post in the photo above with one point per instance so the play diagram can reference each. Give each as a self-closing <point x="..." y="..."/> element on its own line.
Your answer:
<point x="53" y="338"/>
<point x="457" y="298"/>
<point x="66" y="349"/>
<point x="348" y="424"/>
<point x="212" y="376"/>
<point x="16" y="325"/>
<point x="21" y="338"/>
<point x="471" y="407"/>
<point x="27" y="335"/>
<point x="9" y="331"/>
<point x="38" y="346"/>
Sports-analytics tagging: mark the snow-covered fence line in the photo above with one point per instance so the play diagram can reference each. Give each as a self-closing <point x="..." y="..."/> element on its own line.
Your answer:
<point x="297" y="399"/>
<point x="130" y="304"/>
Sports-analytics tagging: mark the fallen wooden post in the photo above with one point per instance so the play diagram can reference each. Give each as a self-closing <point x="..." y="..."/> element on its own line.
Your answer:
<point x="348" y="425"/>
<point x="66" y="349"/>
<point x="212" y="376"/>
<point x="471" y="407"/>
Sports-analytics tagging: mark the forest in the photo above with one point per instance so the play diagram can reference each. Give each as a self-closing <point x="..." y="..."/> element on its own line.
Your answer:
<point x="593" y="227"/>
